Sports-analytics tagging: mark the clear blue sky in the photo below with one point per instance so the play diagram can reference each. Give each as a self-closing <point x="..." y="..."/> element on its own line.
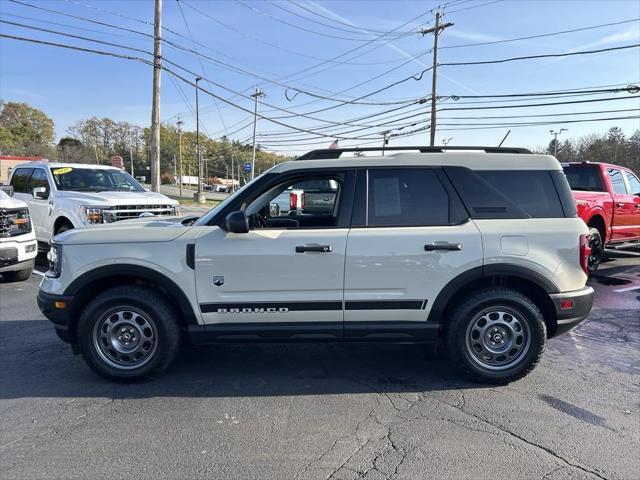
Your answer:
<point x="70" y="85"/>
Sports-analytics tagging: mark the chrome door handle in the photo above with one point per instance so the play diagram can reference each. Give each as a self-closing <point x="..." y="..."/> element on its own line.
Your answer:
<point x="619" y="205"/>
<point x="447" y="247"/>
<point x="314" y="248"/>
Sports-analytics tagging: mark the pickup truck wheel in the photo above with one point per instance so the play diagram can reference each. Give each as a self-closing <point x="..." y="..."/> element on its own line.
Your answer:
<point x="497" y="335"/>
<point x="18" y="275"/>
<point x="597" y="250"/>
<point x="128" y="333"/>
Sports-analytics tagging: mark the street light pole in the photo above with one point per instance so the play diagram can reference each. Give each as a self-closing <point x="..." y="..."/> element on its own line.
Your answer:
<point x="445" y="141"/>
<point x="555" y="140"/>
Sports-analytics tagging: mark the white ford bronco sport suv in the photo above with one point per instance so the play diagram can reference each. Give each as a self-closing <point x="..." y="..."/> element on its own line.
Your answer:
<point x="479" y="248"/>
<point x="18" y="246"/>
<point x="62" y="196"/>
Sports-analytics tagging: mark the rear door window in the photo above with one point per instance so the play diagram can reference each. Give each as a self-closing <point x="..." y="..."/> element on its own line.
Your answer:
<point x="409" y="197"/>
<point x="20" y="180"/>
<point x="634" y="183"/>
<point x="617" y="182"/>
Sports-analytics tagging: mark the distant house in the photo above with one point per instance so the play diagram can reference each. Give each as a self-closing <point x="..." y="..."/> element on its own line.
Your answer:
<point x="7" y="162"/>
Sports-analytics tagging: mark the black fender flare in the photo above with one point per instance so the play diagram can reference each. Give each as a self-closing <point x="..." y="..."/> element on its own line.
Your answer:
<point x="137" y="271"/>
<point x="486" y="271"/>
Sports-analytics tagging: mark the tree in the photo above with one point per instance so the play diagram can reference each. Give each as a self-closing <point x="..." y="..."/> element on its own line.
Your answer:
<point x="25" y="130"/>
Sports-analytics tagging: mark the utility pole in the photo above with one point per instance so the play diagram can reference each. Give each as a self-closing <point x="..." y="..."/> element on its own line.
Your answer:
<point x="180" y="122"/>
<point x="385" y="140"/>
<point x="155" y="105"/>
<point x="256" y="96"/>
<point x="199" y="195"/>
<point x="436" y="29"/>
<point x="233" y="178"/>
<point x="555" y="140"/>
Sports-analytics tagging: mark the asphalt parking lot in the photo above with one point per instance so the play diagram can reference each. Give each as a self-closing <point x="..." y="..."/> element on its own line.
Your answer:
<point x="326" y="411"/>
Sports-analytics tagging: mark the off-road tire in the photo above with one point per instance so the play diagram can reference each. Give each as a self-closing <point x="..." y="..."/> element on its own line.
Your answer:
<point x="485" y="300"/>
<point x="149" y="303"/>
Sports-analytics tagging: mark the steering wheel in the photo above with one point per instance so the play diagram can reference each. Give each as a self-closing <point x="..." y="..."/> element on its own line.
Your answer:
<point x="258" y="221"/>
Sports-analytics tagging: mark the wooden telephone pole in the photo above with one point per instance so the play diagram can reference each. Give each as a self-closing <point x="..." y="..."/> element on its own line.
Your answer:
<point x="436" y="29"/>
<point x="155" y="105"/>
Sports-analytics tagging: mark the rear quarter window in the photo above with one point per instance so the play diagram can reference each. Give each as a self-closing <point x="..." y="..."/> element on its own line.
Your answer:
<point x="503" y="194"/>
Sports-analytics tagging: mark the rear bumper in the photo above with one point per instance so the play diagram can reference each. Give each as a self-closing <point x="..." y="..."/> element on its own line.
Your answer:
<point x="572" y="308"/>
<point x="60" y="317"/>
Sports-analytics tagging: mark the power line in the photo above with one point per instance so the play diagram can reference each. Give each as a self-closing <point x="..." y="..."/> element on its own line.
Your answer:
<point x="542" y="35"/>
<point x="204" y="71"/>
<point x="174" y="45"/>
<point x="280" y="47"/>
<point x="298" y="27"/>
<point x="338" y="21"/>
<point x="351" y="30"/>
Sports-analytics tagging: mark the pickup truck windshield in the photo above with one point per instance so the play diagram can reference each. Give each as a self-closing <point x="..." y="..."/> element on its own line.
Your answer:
<point x="94" y="180"/>
<point x="584" y="177"/>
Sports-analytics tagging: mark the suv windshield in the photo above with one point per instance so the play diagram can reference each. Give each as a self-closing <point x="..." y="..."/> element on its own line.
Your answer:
<point x="94" y="180"/>
<point x="584" y="177"/>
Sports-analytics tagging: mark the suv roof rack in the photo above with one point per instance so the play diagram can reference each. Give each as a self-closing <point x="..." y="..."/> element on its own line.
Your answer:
<point x="327" y="153"/>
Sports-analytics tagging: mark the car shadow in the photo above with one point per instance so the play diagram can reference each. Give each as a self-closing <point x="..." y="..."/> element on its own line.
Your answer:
<point x="37" y="364"/>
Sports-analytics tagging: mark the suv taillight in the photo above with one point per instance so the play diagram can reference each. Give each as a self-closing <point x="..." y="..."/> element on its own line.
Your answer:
<point x="585" y="251"/>
<point x="293" y="201"/>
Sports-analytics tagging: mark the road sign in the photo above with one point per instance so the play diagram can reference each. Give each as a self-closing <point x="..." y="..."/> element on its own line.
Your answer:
<point x="247" y="167"/>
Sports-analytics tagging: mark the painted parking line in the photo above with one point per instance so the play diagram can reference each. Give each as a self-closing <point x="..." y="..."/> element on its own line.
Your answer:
<point x="37" y="272"/>
<point x="627" y="289"/>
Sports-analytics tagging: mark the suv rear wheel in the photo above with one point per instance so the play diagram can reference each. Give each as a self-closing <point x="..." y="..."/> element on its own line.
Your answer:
<point x="496" y="335"/>
<point x="128" y="333"/>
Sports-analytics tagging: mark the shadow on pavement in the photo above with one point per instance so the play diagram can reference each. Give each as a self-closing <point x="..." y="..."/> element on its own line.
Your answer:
<point x="37" y="364"/>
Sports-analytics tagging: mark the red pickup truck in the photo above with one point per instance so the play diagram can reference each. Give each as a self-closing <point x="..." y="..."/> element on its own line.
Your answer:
<point x="608" y="200"/>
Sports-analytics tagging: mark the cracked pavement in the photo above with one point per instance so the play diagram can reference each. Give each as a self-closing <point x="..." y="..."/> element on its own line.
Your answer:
<point x="313" y="411"/>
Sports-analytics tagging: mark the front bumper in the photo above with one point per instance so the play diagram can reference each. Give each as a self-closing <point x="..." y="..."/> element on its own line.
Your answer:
<point x="572" y="308"/>
<point x="14" y="254"/>
<point x="57" y="308"/>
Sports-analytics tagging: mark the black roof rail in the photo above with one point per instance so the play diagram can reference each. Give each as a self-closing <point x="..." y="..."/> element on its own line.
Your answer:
<point x="327" y="153"/>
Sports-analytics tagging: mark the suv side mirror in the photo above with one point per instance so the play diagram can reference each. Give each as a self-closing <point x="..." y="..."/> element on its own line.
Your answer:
<point x="237" y="222"/>
<point x="40" y="193"/>
<point x="8" y="189"/>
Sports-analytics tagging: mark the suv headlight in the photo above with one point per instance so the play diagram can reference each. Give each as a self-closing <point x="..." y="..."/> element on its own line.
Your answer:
<point x="55" y="260"/>
<point x="92" y="215"/>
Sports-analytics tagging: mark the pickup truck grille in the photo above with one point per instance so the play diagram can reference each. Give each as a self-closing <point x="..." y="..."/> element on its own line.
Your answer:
<point x="125" y="212"/>
<point x="14" y="222"/>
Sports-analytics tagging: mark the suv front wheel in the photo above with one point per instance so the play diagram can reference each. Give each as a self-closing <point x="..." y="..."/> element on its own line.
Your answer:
<point x="497" y="335"/>
<point x="127" y="333"/>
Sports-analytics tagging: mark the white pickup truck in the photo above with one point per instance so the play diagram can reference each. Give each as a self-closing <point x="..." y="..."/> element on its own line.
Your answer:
<point x="62" y="196"/>
<point x="18" y="246"/>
